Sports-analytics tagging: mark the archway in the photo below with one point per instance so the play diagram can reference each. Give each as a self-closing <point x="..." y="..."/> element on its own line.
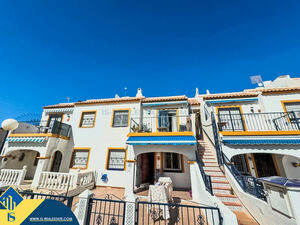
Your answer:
<point x="57" y="157"/>
<point x="19" y="158"/>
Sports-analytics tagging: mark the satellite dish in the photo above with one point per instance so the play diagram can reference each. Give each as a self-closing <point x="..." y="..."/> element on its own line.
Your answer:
<point x="10" y="124"/>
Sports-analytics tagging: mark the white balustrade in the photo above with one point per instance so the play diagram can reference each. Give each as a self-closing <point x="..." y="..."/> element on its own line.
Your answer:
<point x="66" y="181"/>
<point x="12" y="177"/>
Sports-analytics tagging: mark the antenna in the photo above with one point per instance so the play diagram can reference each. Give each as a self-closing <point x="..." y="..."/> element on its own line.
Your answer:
<point x="256" y="79"/>
<point x="125" y="90"/>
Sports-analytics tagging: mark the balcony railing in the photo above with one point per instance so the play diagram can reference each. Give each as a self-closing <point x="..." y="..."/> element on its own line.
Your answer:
<point x="275" y="121"/>
<point x="161" y="124"/>
<point x="40" y="127"/>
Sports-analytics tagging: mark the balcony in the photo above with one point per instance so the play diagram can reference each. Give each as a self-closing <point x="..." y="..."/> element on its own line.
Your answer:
<point x="161" y="124"/>
<point x="43" y="128"/>
<point x="268" y="123"/>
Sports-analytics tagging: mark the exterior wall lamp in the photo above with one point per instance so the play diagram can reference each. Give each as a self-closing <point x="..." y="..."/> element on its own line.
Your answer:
<point x="296" y="164"/>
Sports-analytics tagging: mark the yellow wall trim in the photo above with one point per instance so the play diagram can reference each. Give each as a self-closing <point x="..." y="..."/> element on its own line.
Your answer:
<point x="131" y="160"/>
<point x="185" y="133"/>
<point x="40" y="135"/>
<point x="81" y="117"/>
<point x="113" y="114"/>
<point x="259" y="133"/>
<point x="45" y="157"/>
<point x="191" y="162"/>
<point x="88" y="160"/>
<point x="115" y="148"/>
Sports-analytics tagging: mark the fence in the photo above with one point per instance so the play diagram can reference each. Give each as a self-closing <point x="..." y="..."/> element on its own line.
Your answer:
<point x="163" y="123"/>
<point x="68" y="201"/>
<point x="275" y="121"/>
<point x="149" y="213"/>
<point x="106" y="211"/>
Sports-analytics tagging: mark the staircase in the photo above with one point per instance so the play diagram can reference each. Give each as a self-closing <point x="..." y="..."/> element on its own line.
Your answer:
<point x="220" y="185"/>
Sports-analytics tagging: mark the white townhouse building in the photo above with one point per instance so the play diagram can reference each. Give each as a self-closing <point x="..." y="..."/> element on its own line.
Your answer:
<point x="256" y="134"/>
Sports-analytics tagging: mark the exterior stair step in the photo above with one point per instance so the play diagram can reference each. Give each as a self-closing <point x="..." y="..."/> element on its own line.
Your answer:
<point x="221" y="190"/>
<point x="227" y="197"/>
<point x="220" y="184"/>
<point x="233" y="205"/>
<point x="210" y="164"/>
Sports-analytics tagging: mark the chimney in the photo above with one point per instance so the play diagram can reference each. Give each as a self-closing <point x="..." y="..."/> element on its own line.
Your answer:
<point x="139" y="93"/>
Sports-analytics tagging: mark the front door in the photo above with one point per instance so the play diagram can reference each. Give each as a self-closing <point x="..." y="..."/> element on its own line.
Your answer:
<point x="56" y="161"/>
<point x="265" y="165"/>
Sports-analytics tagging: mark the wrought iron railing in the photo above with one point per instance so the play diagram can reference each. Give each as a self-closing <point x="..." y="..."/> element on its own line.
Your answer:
<point x="273" y="121"/>
<point x="148" y="213"/>
<point x="67" y="200"/>
<point x="216" y="139"/>
<point x="206" y="178"/>
<point x="249" y="184"/>
<point x="38" y="127"/>
<point x="161" y="124"/>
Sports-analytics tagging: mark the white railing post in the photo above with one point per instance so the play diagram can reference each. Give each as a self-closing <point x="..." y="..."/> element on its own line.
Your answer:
<point x="21" y="176"/>
<point x="81" y="212"/>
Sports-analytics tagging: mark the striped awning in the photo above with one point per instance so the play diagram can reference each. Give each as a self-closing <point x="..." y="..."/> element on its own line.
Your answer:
<point x="26" y="139"/>
<point x="161" y="140"/>
<point x="262" y="141"/>
<point x="70" y="109"/>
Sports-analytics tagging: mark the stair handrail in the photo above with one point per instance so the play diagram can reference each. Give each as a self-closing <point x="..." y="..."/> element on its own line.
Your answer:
<point x="249" y="184"/>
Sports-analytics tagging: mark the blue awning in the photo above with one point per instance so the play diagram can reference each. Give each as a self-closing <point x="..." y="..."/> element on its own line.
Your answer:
<point x="261" y="141"/>
<point x="26" y="139"/>
<point x="162" y="140"/>
<point x="283" y="181"/>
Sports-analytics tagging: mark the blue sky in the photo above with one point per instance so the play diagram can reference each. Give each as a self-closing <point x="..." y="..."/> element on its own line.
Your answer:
<point x="51" y="50"/>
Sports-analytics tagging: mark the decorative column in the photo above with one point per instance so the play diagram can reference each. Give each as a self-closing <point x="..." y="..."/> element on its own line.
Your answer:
<point x="129" y="195"/>
<point x="41" y="166"/>
<point x="81" y="212"/>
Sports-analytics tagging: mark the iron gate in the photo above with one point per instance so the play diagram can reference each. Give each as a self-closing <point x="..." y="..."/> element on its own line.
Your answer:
<point x="150" y="213"/>
<point x="106" y="212"/>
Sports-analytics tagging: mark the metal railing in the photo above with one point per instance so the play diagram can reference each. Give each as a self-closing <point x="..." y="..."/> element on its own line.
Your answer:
<point x="173" y="213"/>
<point x="106" y="211"/>
<point x="67" y="200"/>
<point x="249" y="184"/>
<point x="274" y="121"/>
<point x="206" y="178"/>
<point x="161" y="124"/>
<point x="38" y="127"/>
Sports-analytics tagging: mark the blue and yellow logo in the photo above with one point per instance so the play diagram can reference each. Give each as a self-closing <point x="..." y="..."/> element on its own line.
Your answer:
<point x="14" y="209"/>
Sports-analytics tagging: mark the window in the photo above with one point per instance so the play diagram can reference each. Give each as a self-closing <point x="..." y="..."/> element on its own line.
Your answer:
<point x="172" y="162"/>
<point x="120" y="118"/>
<point x="230" y="119"/>
<point x="50" y="122"/>
<point x="87" y="119"/>
<point x="80" y="158"/>
<point x="36" y="160"/>
<point x="293" y="110"/>
<point x="116" y="159"/>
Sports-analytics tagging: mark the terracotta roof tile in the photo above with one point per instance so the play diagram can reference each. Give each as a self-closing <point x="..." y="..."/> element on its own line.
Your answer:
<point x="230" y="95"/>
<point x="167" y="98"/>
<point x="60" y="105"/>
<point x="278" y="89"/>
<point x="194" y="101"/>
<point x="110" y="100"/>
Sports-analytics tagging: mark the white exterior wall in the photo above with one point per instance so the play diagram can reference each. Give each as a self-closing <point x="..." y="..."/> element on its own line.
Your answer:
<point x="101" y="137"/>
<point x="272" y="103"/>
